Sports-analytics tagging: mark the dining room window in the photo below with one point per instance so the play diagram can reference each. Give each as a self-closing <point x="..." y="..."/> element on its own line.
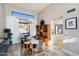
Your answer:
<point x="22" y="15"/>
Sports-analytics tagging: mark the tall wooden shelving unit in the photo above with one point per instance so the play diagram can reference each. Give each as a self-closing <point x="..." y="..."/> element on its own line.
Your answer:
<point x="43" y="33"/>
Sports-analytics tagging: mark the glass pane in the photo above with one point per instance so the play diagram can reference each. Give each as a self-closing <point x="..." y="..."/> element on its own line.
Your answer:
<point x="25" y="16"/>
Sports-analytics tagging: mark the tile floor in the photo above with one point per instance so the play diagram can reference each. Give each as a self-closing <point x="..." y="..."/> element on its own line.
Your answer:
<point x="16" y="50"/>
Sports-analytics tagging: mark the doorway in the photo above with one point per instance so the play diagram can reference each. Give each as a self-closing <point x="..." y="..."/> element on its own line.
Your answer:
<point x="59" y="37"/>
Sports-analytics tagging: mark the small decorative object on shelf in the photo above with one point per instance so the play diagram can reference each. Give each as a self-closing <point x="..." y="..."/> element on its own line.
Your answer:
<point x="42" y="22"/>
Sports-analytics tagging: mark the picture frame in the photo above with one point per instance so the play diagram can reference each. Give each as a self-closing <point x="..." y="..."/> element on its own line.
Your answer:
<point x="58" y="28"/>
<point x="71" y="23"/>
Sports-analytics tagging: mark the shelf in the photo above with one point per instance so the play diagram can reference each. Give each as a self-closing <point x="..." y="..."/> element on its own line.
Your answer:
<point x="43" y="32"/>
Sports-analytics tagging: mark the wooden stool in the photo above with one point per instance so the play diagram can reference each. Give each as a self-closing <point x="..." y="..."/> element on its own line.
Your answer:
<point x="29" y="48"/>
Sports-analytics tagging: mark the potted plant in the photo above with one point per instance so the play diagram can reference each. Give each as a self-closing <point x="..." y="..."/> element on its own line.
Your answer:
<point x="8" y="35"/>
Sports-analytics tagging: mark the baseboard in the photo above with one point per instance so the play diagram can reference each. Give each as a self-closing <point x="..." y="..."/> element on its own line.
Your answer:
<point x="69" y="53"/>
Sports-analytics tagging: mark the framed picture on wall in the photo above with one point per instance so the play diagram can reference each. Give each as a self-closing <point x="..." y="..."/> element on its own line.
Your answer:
<point x="58" y="28"/>
<point x="71" y="23"/>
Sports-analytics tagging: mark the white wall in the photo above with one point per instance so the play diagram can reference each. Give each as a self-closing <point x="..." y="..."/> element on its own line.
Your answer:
<point x="12" y="23"/>
<point x="58" y="13"/>
<point x="2" y="21"/>
<point x="32" y="29"/>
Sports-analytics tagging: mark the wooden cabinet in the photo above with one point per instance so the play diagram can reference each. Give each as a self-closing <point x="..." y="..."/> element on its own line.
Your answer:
<point x="43" y="32"/>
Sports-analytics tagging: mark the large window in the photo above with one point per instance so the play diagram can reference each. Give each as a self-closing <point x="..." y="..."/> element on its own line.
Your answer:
<point x="22" y="15"/>
<point x="24" y="28"/>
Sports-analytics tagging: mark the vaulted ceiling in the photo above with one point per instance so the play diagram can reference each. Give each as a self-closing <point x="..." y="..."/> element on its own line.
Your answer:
<point x="34" y="7"/>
